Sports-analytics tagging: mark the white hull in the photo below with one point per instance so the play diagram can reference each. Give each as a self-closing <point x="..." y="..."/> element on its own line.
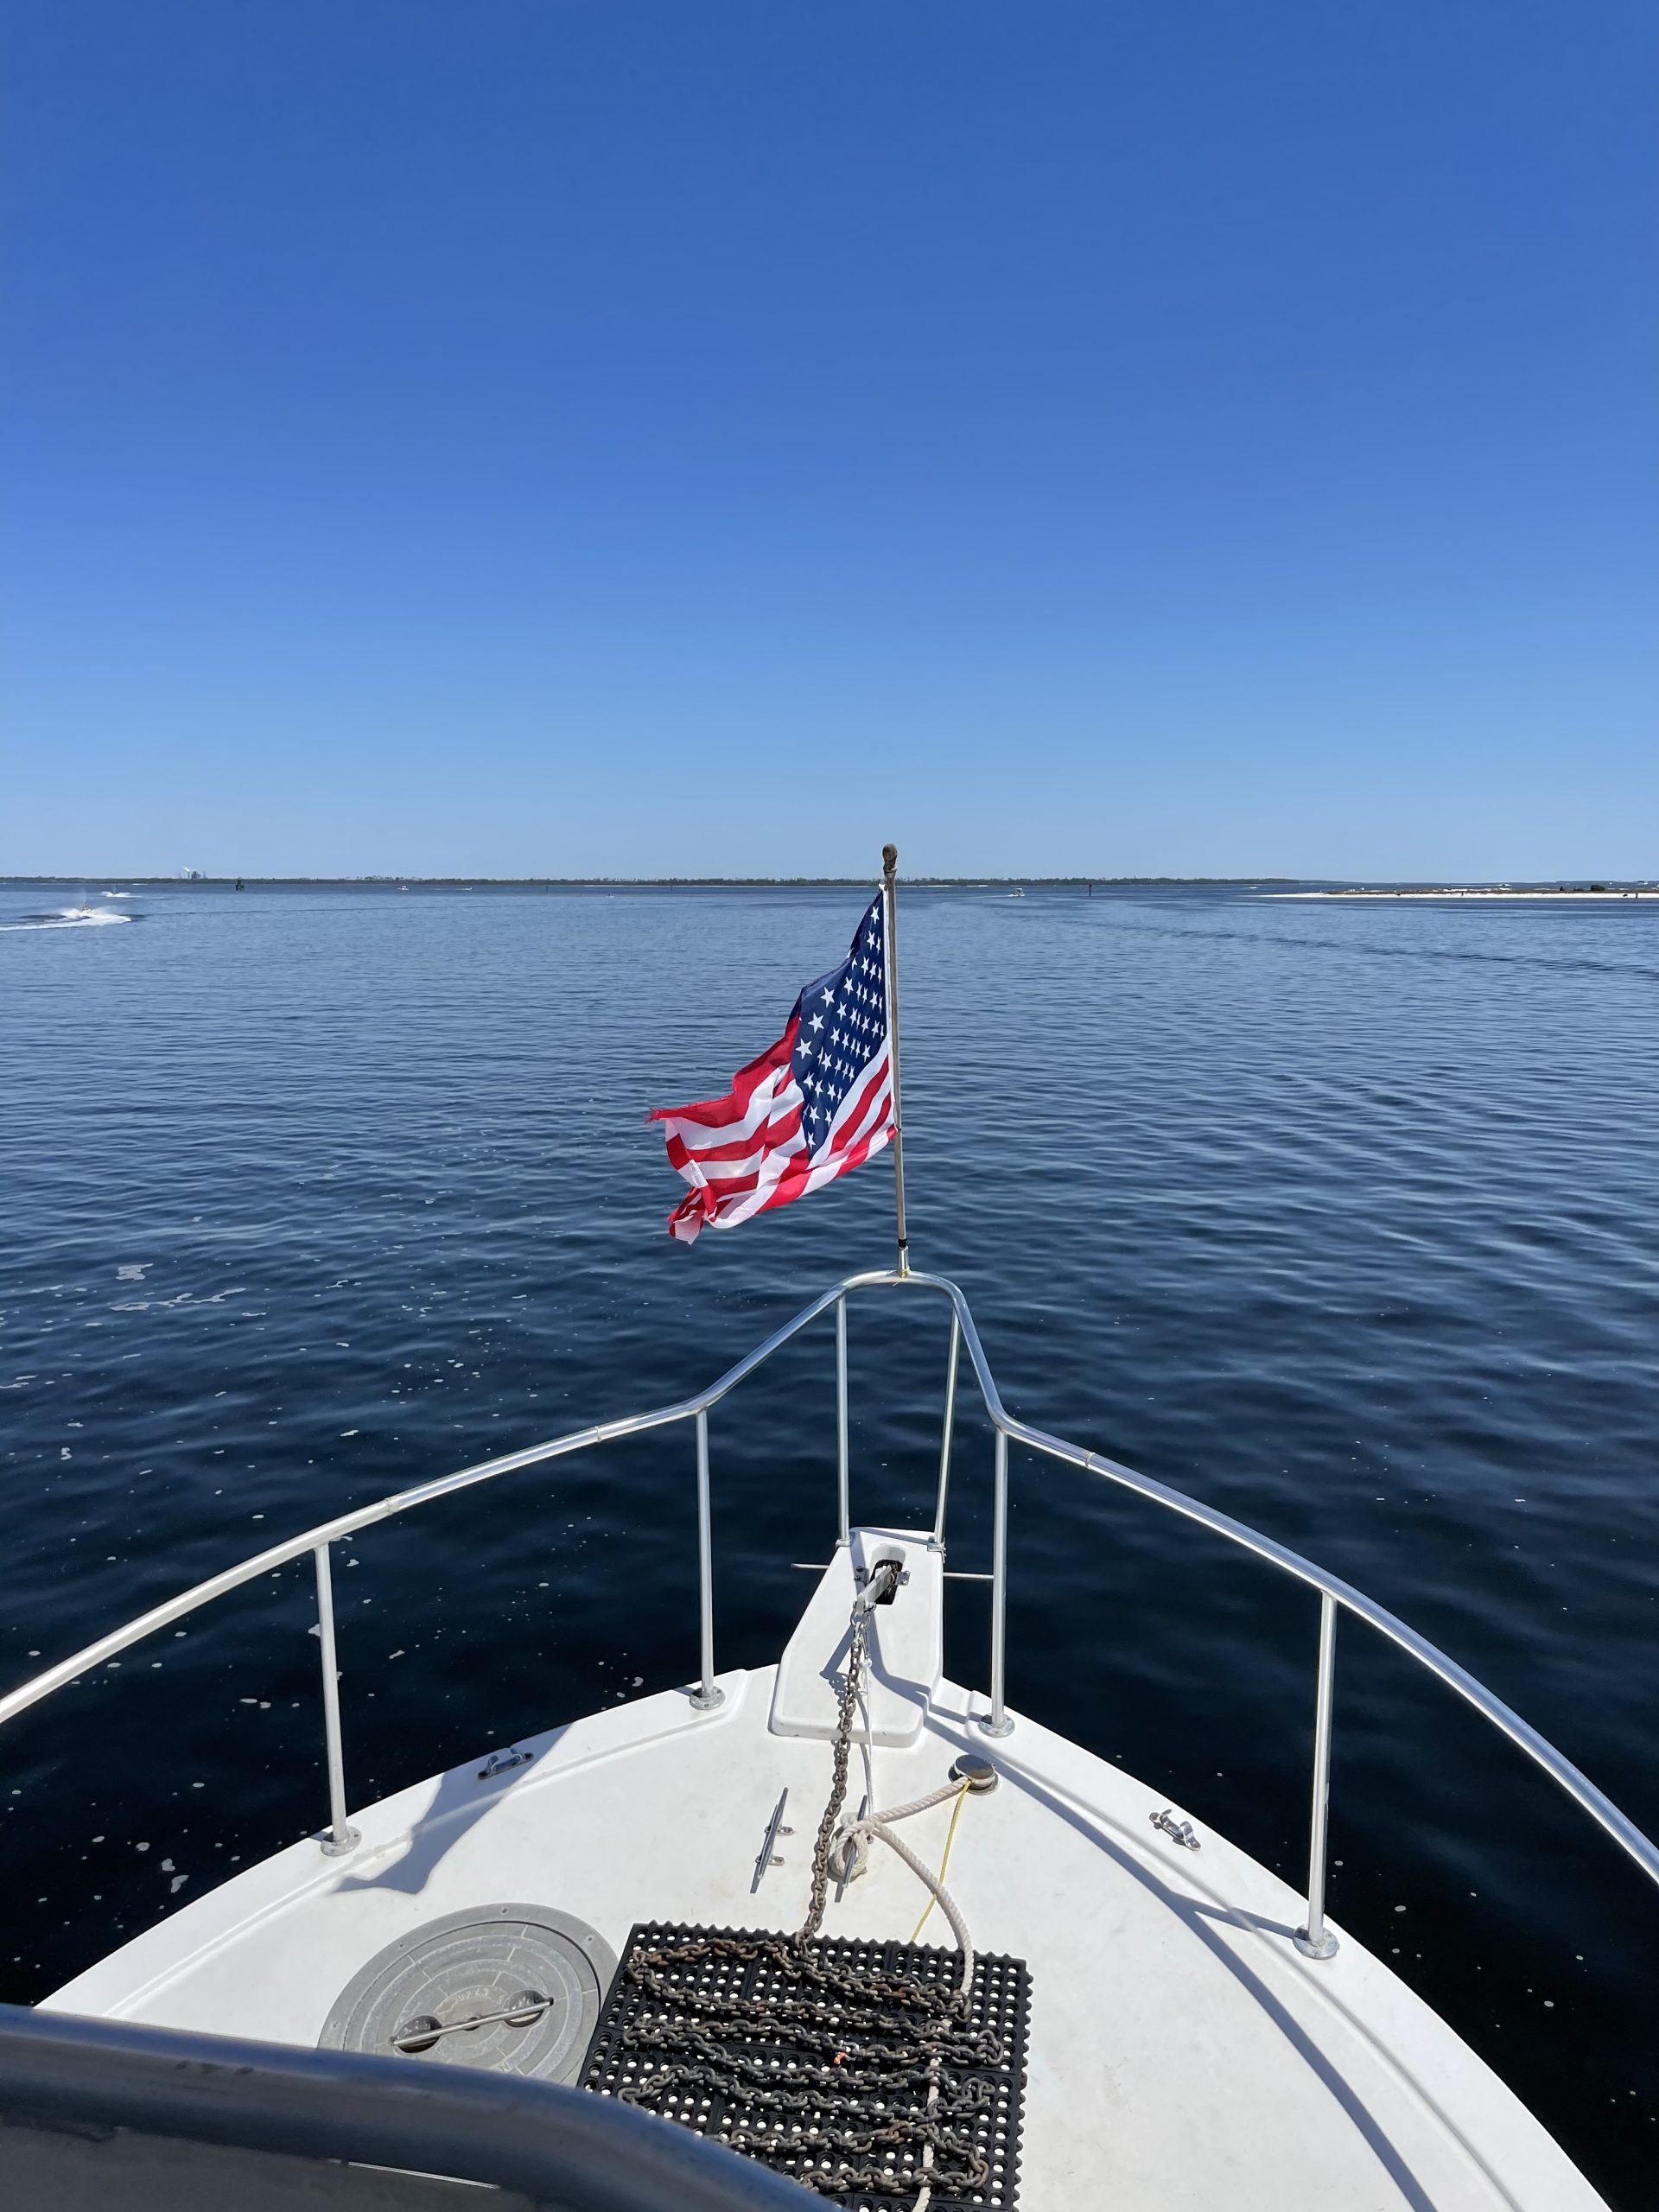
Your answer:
<point x="1194" y="2038"/>
<point x="1183" y="2053"/>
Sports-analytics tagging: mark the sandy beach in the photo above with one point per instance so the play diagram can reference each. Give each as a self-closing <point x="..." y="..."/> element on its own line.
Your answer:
<point x="1598" y="898"/>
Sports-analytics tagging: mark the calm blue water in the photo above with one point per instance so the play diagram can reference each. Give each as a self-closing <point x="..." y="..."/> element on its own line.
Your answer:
<point x="1343" y="1217"/>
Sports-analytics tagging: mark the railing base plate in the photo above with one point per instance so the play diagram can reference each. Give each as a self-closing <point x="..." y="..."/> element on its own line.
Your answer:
<point x="1324" y="1948"/>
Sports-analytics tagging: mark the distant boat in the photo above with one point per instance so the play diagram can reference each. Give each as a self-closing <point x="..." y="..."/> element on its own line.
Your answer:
<point x="82" y="917"/>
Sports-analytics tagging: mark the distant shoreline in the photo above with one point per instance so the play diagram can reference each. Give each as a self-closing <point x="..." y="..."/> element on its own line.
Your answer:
<point x="1599" y="892"/>
<point x="1271" y="886"/>
<point x="631" y="882"/>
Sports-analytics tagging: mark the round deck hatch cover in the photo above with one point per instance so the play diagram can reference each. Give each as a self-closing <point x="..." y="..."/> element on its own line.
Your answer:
<point x="514" y="1988"/>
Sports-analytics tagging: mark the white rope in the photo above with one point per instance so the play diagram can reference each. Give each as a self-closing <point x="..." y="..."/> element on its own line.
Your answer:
<point x="920" y="1804"/>
<point x="849" y="1854"/>
<point x="851" y="1850"/>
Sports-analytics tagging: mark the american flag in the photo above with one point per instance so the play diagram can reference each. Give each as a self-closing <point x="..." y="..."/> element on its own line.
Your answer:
<point x="813" y="1104"/>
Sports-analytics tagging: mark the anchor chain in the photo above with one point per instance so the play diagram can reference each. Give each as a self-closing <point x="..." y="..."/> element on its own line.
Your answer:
<point x="841" y="1754"/>
<point x="880" y="2066"/>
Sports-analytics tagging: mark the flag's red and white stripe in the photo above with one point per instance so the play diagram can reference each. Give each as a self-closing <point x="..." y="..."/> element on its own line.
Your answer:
<point x="756" y="1147"/>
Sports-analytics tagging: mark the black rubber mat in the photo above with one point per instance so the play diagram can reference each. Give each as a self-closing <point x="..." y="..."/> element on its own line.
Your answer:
<point x="720" y="2030"/>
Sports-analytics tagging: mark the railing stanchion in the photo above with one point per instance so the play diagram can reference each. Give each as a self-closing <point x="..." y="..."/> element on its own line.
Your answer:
<point x="1316" y="1939"/>
<point x="844" y="1492"/>
<point x="950" y="1423"/>
<point x="342" y="1836"/>
<point x="997" y="1722"/>
<point x="708" y="1693"/>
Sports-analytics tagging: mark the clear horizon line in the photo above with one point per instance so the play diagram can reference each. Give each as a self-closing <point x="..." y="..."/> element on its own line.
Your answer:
<point x="89" y="875"/>
<point x="201" y="881"/>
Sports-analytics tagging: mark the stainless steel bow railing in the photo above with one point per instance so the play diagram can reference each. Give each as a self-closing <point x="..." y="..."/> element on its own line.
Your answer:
<point x="1335" y="1596"/>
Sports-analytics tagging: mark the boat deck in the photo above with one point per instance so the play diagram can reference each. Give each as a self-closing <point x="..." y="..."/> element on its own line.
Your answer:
<point x="1183" y="2053"/>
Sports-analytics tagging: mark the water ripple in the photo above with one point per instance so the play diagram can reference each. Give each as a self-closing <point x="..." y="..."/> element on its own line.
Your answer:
<point x="1344" y="1219"/>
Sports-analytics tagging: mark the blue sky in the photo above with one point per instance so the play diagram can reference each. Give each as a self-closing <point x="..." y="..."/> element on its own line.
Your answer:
<point x="555" y="436"/>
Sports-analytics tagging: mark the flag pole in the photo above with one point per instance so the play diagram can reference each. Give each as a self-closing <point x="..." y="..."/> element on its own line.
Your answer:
<point x="889" y="869"/>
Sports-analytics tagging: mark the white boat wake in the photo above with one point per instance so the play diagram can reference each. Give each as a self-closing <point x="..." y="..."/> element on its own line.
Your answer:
<point x="69" y="918"/>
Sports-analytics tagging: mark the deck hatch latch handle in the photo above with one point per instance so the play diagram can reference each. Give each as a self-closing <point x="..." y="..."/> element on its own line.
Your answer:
<point x="424" y="2030"/>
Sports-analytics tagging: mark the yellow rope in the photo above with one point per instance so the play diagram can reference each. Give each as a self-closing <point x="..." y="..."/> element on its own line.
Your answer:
<point x="956" y="1814"/>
